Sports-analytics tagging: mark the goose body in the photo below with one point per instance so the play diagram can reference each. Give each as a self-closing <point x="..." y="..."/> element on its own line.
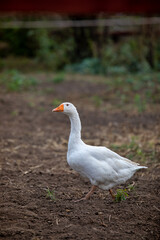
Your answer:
<point x="103" y="167"/>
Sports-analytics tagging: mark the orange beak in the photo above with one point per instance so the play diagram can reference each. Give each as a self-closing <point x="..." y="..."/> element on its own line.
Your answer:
<point x="59" y="109"/>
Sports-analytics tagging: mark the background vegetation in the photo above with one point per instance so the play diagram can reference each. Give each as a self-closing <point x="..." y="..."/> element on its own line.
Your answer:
<point x="94" y="50"/>
<point x="129" y="62"/>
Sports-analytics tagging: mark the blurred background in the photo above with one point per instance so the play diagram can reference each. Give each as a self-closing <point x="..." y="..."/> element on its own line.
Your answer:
<point x="119" y="40"/>
<point x="90" y="37"/>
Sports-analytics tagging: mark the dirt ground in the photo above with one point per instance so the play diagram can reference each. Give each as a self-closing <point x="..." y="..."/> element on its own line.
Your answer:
<point x="33" y="146"/>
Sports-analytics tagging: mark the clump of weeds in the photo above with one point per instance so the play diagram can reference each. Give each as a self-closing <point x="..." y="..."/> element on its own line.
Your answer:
<point x="122" y="194"/>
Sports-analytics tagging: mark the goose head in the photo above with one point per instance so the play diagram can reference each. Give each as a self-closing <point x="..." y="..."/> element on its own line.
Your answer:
<point x="67" y="108"/>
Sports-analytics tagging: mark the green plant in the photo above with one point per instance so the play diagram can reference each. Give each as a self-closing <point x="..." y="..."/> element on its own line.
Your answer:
<point x="128" y="55"/>
<point x="121" y="195"/>
<point x="44" y="44"/>
<point x="31" y="104"/>
<point x="139" y="103"/>
<point x="14" y="113"/>
<point x="86" y="50"/>
<point x="56" y="102"/>
<point x="86" y="66"/>
<point x="13" y="80"/>
<point x="41" y="109"/>
<point x="131" y="187"/>
<point x="50" y="194"/>
<point x="97" y="100"/>
<point x="59" y="78"/>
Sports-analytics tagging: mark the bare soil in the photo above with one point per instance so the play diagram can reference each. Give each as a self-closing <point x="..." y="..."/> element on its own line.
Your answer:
<point x="33" y="146"/>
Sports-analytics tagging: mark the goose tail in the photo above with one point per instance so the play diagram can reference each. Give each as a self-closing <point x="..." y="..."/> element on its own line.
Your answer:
<point x="141" y="167"/>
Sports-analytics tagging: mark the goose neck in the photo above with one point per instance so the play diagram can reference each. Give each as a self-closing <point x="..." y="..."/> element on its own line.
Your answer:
<point x="75" y="126"/>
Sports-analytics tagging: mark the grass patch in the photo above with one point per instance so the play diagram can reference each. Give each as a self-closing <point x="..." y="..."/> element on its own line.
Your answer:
<point x="59" y="78"/>
<point x="137" y="151"/>
<point x="133" y="150"/>
<point x="15" y="81"/>
<point x="136" y="89"/>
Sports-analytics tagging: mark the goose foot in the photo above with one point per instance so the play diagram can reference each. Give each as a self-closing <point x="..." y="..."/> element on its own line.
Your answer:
<point x="112" y="194"/>
<point x="79" y="200"/>
<point x="87" y="195"/>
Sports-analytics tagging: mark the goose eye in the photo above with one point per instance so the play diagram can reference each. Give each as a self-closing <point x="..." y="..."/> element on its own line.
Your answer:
<point x="67" y="104"/>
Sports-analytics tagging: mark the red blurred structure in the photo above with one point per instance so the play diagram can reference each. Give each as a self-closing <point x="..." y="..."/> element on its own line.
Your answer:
<point x="81" y="7"/>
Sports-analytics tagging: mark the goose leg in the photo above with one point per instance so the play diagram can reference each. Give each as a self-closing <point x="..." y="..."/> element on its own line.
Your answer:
<point x="87" y="195"/>
<point x="112" y="194"/>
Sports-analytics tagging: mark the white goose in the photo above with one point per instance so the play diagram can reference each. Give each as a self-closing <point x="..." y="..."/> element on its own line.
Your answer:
<point x="103" y="167"/>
